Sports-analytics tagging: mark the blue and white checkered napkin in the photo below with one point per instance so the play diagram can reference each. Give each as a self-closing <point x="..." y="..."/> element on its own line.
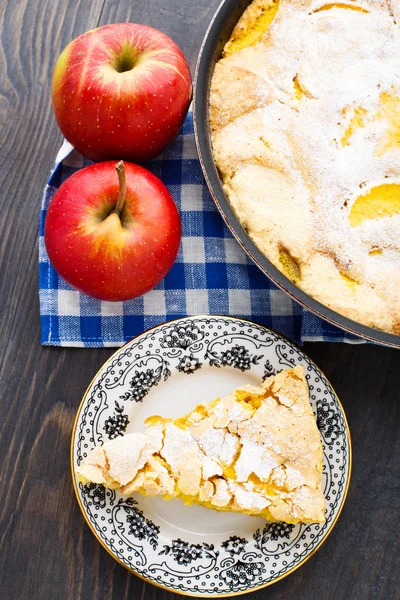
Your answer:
<point x="212" y="274"/>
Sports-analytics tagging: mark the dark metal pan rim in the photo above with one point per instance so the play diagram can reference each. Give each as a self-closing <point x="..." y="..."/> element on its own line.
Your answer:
<point x="217" y="34"/>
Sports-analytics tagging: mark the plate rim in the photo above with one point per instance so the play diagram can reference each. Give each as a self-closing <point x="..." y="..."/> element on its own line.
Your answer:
<point x="165" y="587"/>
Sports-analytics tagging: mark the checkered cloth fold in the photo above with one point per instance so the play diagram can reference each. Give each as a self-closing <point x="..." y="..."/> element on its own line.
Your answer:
<point x="212" y="274"/>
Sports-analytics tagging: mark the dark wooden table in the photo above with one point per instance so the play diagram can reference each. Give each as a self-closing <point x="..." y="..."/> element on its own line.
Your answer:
<point x="47" y="551"/>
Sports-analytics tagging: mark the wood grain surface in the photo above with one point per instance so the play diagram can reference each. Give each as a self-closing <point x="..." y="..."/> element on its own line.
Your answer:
<point x="46" y="550"/>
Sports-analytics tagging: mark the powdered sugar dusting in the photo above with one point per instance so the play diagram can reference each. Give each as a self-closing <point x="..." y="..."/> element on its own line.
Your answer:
<point x="294" y="167"/>
<point x="256" y="459"/>
<point x="201" y="460"/>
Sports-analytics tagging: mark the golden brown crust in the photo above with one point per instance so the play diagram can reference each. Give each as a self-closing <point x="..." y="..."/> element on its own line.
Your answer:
<point x="257" y="451"/>
<point x="229" y="84"/>
<point x="305" y="124"/>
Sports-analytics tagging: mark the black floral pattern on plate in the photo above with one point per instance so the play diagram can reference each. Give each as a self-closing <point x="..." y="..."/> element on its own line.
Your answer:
<point x="97" y="494"/>
<point x="184" y="553"/>
<point x="235" y="545"/>
<point x="272" y="531"/>
<point x="188" y="364"/>
<point x="239" y="569"/>
<point x="269" y="370"/>
<point x="237" y="356"/>
<point x="116" y="424"/>
<point x="240" y="574"/>
<point x="140" y="527"/>
<point x="141" y="383"/>
<point x="328" y="422"/>
<point x="182" y="335"/>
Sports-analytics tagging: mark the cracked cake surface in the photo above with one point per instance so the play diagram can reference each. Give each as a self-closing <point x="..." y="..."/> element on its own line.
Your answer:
<point x="256" y="451"/>
<point x="305" y="123"/>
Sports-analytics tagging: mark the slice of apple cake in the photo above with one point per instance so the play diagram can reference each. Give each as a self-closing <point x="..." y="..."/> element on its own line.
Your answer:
<point x="257" y="451"/>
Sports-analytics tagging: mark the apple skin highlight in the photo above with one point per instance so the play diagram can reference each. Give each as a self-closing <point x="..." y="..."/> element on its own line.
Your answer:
<point x="121" y="91"/>
<point x="105" y="255"/>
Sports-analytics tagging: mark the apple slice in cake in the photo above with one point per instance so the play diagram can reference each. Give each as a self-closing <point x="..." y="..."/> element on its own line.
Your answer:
<point x="256" y="451"/>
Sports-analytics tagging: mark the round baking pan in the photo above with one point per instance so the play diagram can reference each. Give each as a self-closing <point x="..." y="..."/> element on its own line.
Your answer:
<point x="217" y="35"/>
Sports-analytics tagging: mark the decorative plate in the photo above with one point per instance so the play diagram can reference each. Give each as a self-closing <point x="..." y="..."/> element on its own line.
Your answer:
<point x="190" y="549"/>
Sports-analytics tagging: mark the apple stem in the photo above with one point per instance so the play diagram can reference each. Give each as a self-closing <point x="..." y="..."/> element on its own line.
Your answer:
<point x="122" y="188"/>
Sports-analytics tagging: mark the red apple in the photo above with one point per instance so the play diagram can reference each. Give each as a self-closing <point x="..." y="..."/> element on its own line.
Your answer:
<point x="121" y="91"/>
<point x="112" y="236"/>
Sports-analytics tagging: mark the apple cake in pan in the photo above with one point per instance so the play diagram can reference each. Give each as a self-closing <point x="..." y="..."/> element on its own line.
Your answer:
<point x="305" y="121"/>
